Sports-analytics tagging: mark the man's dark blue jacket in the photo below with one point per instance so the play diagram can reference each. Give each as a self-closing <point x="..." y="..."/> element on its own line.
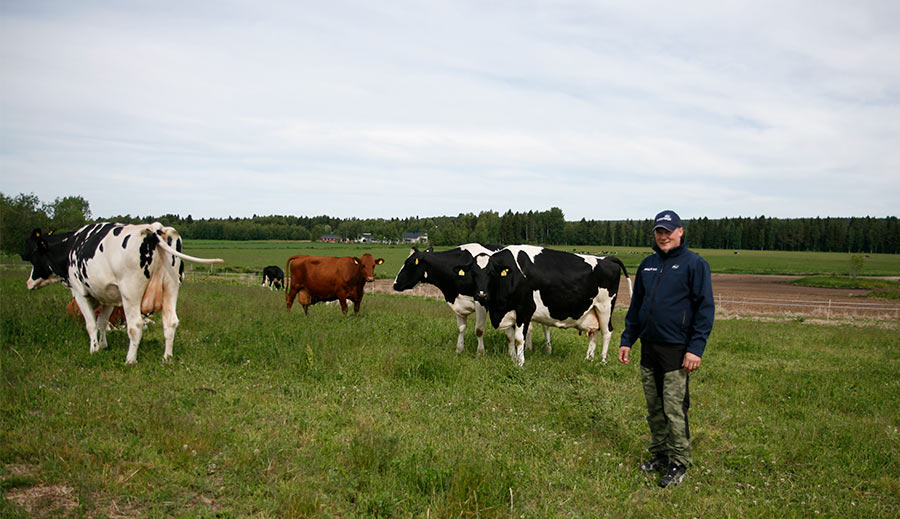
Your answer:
<point x="672" y="301"/>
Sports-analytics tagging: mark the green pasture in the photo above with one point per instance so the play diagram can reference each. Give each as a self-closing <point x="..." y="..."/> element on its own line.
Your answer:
<point x="266" y="414"/>
<point x="254" y="255"/>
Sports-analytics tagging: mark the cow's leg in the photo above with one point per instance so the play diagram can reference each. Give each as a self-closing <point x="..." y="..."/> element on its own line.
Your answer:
<point x="547" y="346"/>
<point x="102" y="325"/>
<point x="592" y="344"/>
<point x="521" y="332"/>
<point x="343" y="303"/>
<point x="607" y="335"/>
<point x="461" y="321"/>
<point x="90" y="321"/>
<point x="135" y="324"/>
<point x="528" y="338"/>
<point x="604" y="315"/>
<point x="480" y="320"/>
<point x="292" y="293"/>
<point x="511" y="339"/>
<point x="356" y="303"/>
<point x="170" y="317"/>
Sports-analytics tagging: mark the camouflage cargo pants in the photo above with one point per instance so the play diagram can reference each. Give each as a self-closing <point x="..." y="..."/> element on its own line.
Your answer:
<point x="668" y="401"/>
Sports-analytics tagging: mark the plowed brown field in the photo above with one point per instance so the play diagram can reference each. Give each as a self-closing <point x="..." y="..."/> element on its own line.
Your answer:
<point x="749" y="295"/>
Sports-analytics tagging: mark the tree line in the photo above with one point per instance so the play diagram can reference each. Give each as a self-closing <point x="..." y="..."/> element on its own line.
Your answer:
<point x="21" y="214"/>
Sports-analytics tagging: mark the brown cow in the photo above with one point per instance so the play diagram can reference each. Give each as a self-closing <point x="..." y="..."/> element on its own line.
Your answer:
<point x="326" y="278"/>
<point x="115" y="319"/>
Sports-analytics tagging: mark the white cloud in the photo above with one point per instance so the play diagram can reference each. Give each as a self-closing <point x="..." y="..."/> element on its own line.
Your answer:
<point x="398" y="109"/>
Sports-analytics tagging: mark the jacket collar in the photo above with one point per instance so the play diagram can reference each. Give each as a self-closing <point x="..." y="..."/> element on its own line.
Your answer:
<point x="672" y="252"/>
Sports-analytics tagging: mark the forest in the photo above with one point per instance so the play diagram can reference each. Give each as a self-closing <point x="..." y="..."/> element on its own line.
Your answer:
<point x="20" y="214"/>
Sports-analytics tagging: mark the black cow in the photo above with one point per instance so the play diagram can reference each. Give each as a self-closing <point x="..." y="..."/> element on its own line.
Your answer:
<point x="273" y="277"/>
<point x="521" y="283"/>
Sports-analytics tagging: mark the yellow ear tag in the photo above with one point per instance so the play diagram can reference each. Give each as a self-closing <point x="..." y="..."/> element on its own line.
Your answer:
<point x="462" y="272"/>
<point x="37" y="234"/>
<point x="417" y="261"/>
<point x="504" y="272"/>
<point x="354" y="261"/>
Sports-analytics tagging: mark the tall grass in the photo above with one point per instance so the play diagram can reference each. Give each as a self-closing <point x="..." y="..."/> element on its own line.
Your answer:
<point x="265" y="413"/>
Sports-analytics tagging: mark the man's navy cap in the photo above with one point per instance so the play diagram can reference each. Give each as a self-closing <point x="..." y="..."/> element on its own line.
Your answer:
<point x="668" y="220"/>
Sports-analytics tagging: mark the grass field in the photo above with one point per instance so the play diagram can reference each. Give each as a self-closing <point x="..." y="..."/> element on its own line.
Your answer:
<point x="266" y="414"/>
<point x="252" y="256"/>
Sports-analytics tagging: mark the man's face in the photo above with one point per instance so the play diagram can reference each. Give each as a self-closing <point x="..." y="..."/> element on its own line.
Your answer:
<point x="667" y="240"/>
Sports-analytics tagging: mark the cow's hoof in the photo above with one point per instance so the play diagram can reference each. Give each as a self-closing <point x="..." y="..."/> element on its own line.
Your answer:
<point x="129" y="362"/>
<point x="167" y="360"/>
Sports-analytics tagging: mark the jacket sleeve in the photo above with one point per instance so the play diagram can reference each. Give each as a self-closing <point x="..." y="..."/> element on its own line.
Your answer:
<point x="704" y="308"/>
<point x="632" y="319"/>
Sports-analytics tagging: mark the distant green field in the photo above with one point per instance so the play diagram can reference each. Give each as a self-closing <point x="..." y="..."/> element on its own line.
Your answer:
<point x="254" y="255"/>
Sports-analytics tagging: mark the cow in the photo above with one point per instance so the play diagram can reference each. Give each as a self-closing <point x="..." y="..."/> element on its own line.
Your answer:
<point x="273" y="277"/>
<point x="112" y="264"/>
<point x="442" y="269"/>
<point x="116" y="318"/>
<point x="313" y="279"/>
<point x="524" y="283"/>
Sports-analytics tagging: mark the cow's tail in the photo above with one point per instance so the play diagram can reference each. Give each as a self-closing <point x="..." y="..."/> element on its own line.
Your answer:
<point x="168" y="248"/>
<point x="621" y="265"/>
<point x="287" y="272"/>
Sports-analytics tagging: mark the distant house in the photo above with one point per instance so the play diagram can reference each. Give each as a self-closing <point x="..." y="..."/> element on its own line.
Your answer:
<point x="330" y="238"/>
<point x="415" y="237"/>
<point x="365" y="237"/>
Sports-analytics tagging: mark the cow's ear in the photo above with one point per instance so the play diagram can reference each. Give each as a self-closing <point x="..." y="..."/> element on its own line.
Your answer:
<point x="356" y="261"/>
<point x="379" y="261"/>
<point x="429" y="249"/>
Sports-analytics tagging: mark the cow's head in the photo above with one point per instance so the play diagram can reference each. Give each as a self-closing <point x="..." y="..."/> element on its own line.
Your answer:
<point x="474" y="274"/>
<point x="414" y="269"/>
<point x="500" y="284"/>
<point x="368" y="262"/>
<point x="42" y="254"/>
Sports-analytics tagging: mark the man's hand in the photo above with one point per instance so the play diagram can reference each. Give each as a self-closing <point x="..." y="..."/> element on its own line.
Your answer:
<point x="623" y="354"/>
<point x="691" y="361"/>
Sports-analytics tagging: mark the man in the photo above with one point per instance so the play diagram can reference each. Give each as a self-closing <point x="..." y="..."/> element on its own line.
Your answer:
<point x="671" y="312"/>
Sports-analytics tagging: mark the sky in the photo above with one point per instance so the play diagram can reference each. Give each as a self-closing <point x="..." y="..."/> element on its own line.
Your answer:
<point x="606" y="110"/>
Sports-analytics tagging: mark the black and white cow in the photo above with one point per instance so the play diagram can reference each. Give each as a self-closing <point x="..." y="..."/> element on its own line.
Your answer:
<point x="445" y="271"/>
<point x="273" y="277"/>
<point x="524" y="283"/>
<point x="137" y="267"/>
